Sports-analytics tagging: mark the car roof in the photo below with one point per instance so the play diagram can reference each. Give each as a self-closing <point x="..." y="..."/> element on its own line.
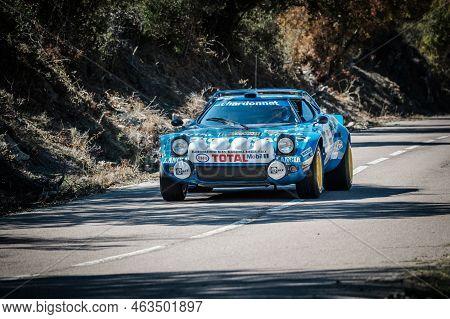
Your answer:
<point x="278" y="92"/>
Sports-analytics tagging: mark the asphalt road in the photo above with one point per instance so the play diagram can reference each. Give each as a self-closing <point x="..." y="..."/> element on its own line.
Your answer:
<point x="250" y="243"/>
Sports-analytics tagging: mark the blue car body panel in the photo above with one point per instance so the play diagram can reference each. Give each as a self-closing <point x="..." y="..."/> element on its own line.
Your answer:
<point x="260" y="143"/>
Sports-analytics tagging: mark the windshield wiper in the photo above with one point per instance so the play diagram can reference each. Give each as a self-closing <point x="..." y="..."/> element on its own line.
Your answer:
<point x="227" y="121"/>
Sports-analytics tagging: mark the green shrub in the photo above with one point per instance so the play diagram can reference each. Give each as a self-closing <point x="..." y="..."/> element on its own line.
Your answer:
<point x="169" y="22"/>
<point x="433" y="41"/>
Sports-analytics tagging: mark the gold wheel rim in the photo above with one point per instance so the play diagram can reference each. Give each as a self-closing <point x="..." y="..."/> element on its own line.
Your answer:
<point x="319" y="177"/>
<point x="350" y="163"/>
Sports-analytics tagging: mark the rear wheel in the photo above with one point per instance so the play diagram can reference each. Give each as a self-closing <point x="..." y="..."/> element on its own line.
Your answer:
<point x="341" y="178"/>
<point x="171" y="190"/>
<point x="312" y="185"/>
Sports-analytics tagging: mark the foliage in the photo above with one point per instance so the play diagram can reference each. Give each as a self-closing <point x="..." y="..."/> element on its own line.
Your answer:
<point x="329" y="33"/>
<point x="170" y="22"/>
<point x="433" y="34"/>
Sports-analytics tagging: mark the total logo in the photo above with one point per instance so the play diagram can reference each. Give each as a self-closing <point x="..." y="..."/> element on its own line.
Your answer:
<point x="236" y="158"/>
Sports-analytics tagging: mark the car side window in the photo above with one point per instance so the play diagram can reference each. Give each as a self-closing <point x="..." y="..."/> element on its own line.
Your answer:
<point x="304" y="110"/>
<point x="307" y="112"/>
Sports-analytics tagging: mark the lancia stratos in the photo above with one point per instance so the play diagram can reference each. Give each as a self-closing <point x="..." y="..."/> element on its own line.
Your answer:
<point x="257" y="137"/>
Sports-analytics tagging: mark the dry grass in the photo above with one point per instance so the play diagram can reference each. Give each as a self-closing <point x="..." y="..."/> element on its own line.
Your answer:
<point x="194" y="104"/>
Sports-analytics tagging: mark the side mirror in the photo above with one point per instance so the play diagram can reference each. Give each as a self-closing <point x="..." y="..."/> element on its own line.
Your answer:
<point x="176" y="120"/>
<point x="322" y="119"/>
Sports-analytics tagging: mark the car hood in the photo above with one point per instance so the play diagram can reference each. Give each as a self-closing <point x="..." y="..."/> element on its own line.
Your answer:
<point x="212" y="131"/>
<point x="257" y="143"/>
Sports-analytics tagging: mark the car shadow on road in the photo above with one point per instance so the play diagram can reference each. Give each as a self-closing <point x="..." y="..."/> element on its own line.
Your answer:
<point x="144" y="207"/>
<point x="342" y="283"/>
<point x="137" y="207"/>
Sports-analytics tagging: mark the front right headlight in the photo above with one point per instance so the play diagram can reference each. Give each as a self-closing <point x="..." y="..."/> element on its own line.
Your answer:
<point x="180" y="146"/>
<point x="285" y="145"/>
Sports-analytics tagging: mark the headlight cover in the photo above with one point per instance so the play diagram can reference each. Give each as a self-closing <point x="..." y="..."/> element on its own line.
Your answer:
<point x="285" y="145"/>
<point x="276" y="170"/>
<point x="179" y="146"/>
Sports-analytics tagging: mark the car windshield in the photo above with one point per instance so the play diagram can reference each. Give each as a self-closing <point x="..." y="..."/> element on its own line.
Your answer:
<point x="249" y="112"/>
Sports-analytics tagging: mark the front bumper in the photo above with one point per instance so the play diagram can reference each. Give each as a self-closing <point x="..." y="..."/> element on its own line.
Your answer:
<point x="238" y="174"/>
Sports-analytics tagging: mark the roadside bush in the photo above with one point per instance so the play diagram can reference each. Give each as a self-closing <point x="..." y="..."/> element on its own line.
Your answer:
<point x="432" y="34"/>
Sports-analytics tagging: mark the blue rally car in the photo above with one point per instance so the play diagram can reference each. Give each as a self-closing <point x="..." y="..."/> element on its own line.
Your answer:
<point x="256" y="138"/>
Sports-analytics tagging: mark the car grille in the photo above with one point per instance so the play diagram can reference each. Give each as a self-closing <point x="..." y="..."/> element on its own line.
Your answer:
<point x="232" y="173"/>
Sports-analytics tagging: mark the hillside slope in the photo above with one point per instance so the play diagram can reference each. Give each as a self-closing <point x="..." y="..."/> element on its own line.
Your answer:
<point x="83" y="100"/>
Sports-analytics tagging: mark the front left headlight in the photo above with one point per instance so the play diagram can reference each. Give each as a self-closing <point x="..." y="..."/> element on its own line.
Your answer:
<point x="180" y="146"/>
<point x="285" y="145"/>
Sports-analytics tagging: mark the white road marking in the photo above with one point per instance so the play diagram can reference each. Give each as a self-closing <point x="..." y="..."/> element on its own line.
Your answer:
<point x="243" y="221"/>
<point x="290" y="203"/>
<point x="397" y="153"/>
<point x="378" y="160"/>
<point x="235" y="225"/>
<point x="411" y="147"/>
<point x="118" y="257"/>
<point x="429" y="141"/>
<point x="442" y="137"/>
<point x="359" y="169"/>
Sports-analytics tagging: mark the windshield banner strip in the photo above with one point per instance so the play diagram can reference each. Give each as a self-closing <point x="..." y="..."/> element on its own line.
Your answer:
<point x="254" y="103"/>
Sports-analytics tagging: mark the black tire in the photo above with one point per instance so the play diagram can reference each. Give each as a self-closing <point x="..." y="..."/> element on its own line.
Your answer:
<point x="312" y="185"/>
<point x="172" y="191"/>
<point x="341" y="178"/>
<point x="200" y="189"/>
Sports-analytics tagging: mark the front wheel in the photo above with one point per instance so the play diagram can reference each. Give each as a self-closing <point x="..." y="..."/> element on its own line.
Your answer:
<point x="312" y="185"/>
<point x="341" y="178"/>
<point x="172" y="191"/>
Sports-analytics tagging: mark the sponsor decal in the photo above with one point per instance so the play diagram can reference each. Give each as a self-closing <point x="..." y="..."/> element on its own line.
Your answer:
<point x="307" y="152"/>
<point x="277" y="170"/>
<point x="307" y="162"/>
<point x="172" y="160"/>
<point x="337" y="147"/>
<point x="237" y="157"/>
<point x="231" y="150"/>
<point x="182" y="170"/>
<point x="226" y="152"/>
<point x="290" y="159"/>
<point x="230" y="158"/>
<point x="263" y="102"/>
<point x="249" y="103"/>
<point x="202" y="158"/>
<point x="243" y="133"/>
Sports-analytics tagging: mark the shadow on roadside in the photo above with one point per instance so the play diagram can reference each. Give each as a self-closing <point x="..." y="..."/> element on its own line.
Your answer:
<point x="341" y="283"/>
